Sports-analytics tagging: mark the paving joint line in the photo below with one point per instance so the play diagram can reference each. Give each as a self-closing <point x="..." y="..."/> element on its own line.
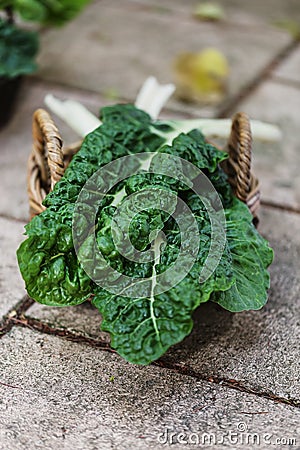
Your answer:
<point x="285" y="81"/>
<point x="230" y="383"/>
<point x="16" y="311"/>
<point x="61" y="331"/>
<point x="280" y="206"/>
<point x="164" y="362"/>
<point x="229" y="106"/>
<point x="13" y="218"/>
<point x="38" y="78"/>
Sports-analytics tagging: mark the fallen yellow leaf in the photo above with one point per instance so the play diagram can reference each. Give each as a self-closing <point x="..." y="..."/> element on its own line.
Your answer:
<point x="201" y="77"/>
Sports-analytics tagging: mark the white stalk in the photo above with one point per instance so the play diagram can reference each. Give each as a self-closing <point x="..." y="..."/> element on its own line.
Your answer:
<point x="153" y="96"/>
<point x="79" y="118"/>
<point x="220" y="128"/>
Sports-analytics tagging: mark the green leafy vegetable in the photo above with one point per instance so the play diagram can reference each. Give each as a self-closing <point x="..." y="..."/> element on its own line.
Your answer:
<point x="144" y="325"/>
<point x="250" y="255"/>
<point x="46" y="12"/>
<point x="18" y="49"/>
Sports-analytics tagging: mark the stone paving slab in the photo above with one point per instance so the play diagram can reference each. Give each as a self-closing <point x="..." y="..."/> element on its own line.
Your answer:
<point x="83" y="319"/>
<point x="258" y="348"/>
<point x="254" y="13"/>
<point x="11" y="283"/>
<point x="58" y="394"/>
<point x="290" y="69"/>
<point x="277" y="164"/>
<point x="118" y="44"/>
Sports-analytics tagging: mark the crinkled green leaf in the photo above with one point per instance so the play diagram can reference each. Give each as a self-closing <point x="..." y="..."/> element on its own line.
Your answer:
<point x="31" y="10"/>
<point x="18" y="49"/>
<point x="49" y="264"/>
<point x="193" y="148"/>
<point x="251" y="255"/>
<point x="49" y="12"/>
<point x="142" y="329"/>
<point x="42" y="259"/>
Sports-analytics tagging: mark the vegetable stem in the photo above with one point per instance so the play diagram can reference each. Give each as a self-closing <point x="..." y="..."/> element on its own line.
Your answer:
<point x="156" y="249"/>
<point x="153" y="96"/>
<point x="79" y="118"/>
<point x="221" y="128"/>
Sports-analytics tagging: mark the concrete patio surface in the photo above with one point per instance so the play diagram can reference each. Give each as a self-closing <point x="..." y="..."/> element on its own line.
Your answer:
<point x="234" y="382"/>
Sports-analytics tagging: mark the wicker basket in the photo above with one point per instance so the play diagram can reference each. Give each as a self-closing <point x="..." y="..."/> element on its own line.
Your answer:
<point x="49" y="159"/>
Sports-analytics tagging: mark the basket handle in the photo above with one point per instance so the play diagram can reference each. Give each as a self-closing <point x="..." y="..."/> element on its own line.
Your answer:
<point x="46" y="162"/>
<point x="238" y="165"/>
<point x="47" y="148"/>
